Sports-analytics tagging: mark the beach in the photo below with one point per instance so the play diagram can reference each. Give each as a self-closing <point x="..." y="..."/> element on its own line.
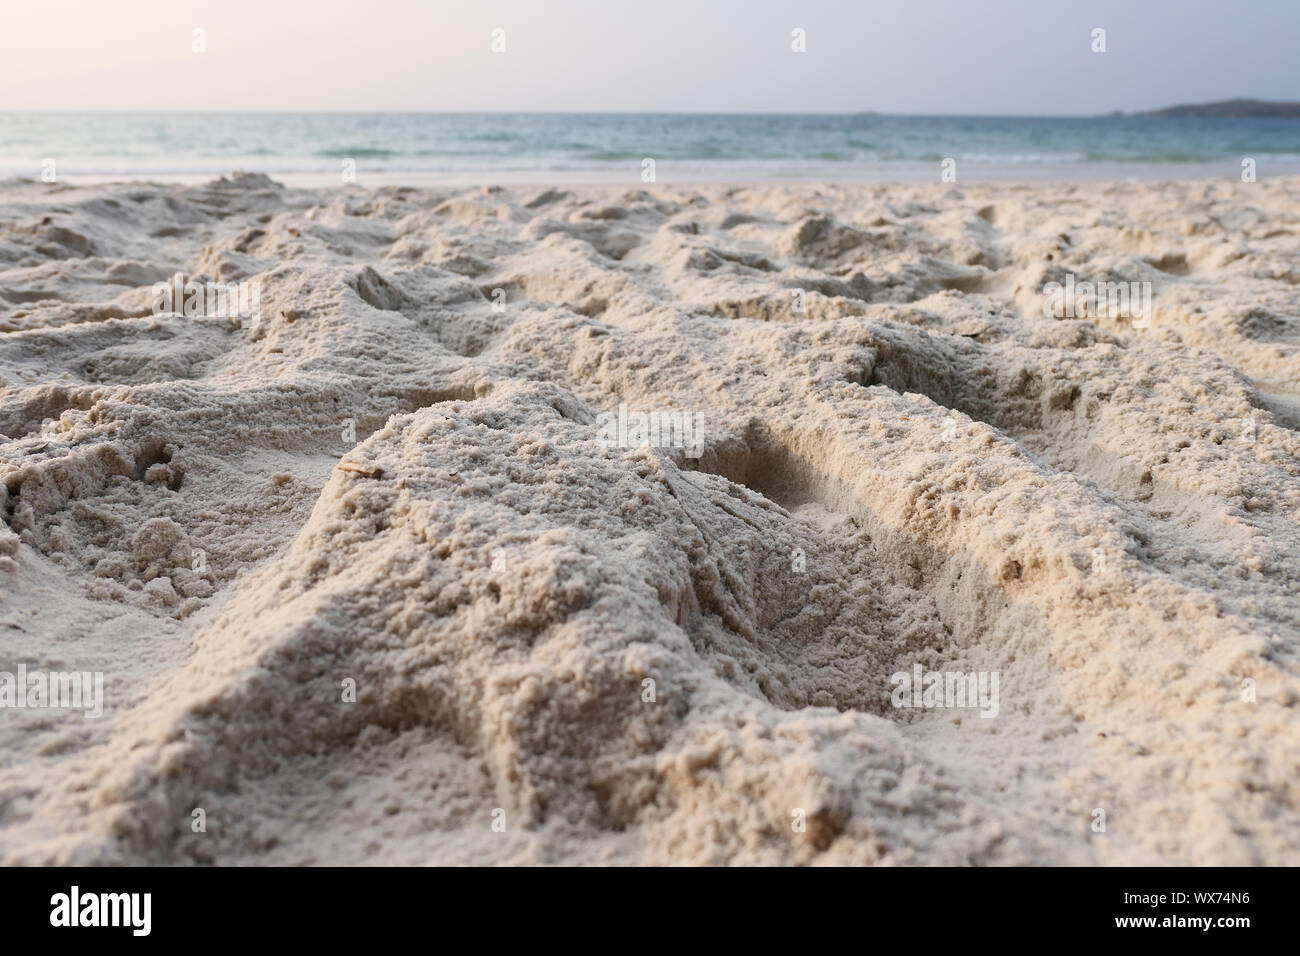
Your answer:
<point x="653" y="523"/>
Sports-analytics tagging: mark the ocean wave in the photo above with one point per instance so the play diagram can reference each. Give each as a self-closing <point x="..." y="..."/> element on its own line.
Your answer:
<point x="368" y="152"/>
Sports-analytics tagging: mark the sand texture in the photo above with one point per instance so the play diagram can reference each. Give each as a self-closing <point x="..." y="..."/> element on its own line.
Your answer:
<point x="396" y="480"/>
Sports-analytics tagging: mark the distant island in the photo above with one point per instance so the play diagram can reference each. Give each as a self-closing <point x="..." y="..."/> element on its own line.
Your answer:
<point x="1232" y="109"/>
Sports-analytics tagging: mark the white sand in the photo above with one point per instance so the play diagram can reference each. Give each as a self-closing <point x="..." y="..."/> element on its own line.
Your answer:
<point x="1079" y="506"/>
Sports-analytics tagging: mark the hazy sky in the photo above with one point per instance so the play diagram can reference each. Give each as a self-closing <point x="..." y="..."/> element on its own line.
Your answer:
<point x="895" y="56"/>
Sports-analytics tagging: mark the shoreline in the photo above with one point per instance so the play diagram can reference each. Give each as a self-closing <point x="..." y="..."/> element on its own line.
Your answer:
<point x="969" y="174"/>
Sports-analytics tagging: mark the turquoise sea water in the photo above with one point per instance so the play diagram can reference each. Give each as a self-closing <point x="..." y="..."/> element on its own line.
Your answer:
<point x="586" y="147"/>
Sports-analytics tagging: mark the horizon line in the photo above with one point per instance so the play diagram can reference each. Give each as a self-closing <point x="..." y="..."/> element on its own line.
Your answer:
<point x="783" y="113"/>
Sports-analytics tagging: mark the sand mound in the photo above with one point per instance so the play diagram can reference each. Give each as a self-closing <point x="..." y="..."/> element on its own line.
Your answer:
<point x="387" y="572"/>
